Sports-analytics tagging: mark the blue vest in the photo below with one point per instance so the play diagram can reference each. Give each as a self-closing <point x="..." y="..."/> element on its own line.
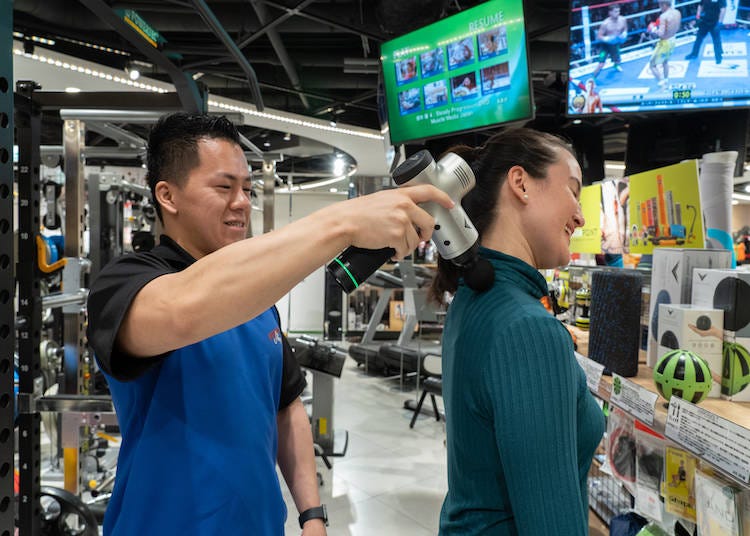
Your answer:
<point x="198" y="454"/>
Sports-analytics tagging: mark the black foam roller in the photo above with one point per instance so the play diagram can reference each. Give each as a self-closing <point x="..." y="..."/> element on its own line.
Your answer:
<point x="615" y="313"/>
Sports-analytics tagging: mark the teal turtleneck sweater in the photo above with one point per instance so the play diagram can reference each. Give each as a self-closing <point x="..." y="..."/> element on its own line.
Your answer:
<point x="522" y="426"/>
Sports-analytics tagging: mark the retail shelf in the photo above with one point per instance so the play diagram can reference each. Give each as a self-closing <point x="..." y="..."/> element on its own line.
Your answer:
<point x="712" y="411"/>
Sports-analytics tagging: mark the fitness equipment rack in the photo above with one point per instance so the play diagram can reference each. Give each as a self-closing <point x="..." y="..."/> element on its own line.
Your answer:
<point x="7" y="282"/>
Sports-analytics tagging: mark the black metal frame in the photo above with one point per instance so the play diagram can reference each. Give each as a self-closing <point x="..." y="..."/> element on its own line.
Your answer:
<point x="28" y="132"/>
<point x="7" y="265"/>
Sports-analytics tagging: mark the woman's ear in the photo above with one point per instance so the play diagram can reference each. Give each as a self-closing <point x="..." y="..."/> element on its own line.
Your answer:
<point x="164" y="192"/>
<point x="517" y="181"/>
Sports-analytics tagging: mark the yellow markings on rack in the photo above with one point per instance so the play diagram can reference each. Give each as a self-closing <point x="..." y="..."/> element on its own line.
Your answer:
<point x="323" y="426"/>
<point x="70" y="469"/>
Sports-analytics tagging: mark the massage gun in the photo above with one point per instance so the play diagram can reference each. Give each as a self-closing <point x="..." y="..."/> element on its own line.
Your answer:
<point x="454" y="235"/>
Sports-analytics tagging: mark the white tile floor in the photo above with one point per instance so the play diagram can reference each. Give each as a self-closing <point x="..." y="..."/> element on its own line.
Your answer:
<point x="392" y="479"/>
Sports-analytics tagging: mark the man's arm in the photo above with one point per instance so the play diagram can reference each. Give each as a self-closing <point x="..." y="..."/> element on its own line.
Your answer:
<point x="239" y="281"/>
<point x="296" y="458"/>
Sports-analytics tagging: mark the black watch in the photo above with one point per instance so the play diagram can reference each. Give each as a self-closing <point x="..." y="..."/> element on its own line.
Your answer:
<point x="317" y="512"/>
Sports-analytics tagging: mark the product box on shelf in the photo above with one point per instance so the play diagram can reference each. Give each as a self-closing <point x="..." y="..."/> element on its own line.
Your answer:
<point x="729" y="290"/>
<point x="697" y="329"/>
<point x="671" y="282"/>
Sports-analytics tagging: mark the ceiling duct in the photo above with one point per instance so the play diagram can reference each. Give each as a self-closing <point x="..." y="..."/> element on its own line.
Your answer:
<point x="398" y="17"/>
<point x="361" y="65"/>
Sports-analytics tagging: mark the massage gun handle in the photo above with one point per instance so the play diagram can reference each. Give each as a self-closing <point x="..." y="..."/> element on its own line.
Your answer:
<point x="355" y="265"/>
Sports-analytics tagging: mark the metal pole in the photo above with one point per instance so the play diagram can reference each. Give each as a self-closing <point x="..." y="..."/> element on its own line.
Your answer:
<point x="7" y="264"/>
<point x="269" y="183"/>
<point x="73" y="318"/>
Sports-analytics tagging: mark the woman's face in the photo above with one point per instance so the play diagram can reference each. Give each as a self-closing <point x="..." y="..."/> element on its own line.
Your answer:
<point x="554" y="212"/>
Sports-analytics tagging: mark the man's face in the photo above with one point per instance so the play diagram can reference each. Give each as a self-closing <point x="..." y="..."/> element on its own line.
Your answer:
<point x="213" y="204"/>
<point x="614" y="12"/>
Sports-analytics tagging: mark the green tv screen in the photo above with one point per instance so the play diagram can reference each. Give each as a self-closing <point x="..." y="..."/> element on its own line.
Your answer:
<point x="466" y="72"/>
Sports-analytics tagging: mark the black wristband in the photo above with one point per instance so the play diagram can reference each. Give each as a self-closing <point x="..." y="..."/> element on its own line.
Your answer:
<point x="317" y="512"/>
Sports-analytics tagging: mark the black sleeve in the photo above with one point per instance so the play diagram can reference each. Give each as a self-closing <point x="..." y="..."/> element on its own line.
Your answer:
<point x="292" y="379"/>
<point x="110" y="297"/>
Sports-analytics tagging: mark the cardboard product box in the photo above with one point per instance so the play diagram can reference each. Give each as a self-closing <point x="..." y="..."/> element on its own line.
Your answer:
<point x="671" y="282"/>
<point x="697" y="329"/>
<point x="729" y="290"/>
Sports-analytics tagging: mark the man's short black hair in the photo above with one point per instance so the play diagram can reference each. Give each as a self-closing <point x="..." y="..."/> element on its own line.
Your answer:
<point x="173" y="146"/>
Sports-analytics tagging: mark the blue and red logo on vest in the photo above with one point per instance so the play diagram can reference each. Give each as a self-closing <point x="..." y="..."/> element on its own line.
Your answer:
<point x="275" y="336"/>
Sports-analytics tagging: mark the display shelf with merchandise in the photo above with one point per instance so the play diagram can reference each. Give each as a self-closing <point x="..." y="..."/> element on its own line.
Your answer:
<point x="726" y="422"/>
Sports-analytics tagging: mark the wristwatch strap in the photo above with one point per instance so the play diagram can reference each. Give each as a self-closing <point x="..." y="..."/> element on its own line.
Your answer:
<point x="317" y="512"/>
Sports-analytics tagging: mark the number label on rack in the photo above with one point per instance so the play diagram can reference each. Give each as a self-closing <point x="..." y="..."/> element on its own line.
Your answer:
<point x="713" y="438"/>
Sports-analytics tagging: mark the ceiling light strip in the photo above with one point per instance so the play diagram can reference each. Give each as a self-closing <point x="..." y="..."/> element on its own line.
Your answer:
<point x="94" y="46"/>
<point x="91" y="72"/>
<point x="243" y="109"/>
<point x="293" y="121"/>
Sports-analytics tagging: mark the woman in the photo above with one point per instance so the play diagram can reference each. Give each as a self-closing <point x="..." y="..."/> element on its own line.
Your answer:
<point x="522" y="426"/>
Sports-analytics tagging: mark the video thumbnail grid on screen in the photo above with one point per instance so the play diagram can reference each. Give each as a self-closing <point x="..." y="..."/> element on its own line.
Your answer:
<point x="434" y="68"/>
<point x="652" y="55"/>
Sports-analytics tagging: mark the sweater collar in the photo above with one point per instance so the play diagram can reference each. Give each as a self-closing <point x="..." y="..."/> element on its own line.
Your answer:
<point x="515" y="271"/>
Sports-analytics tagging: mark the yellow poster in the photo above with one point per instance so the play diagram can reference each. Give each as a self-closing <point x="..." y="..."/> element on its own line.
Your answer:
<point x="664" y="208"/>
<point x="587" y="239"/>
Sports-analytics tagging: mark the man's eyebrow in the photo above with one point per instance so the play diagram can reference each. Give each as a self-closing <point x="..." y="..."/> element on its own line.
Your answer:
<point x="231" y="177"/>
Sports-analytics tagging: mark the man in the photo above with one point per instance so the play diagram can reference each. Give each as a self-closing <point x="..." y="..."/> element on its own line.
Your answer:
<point x="669" y="23"/>
<point x="593" y="100"/>
<point x="204" y="384"/>
<point x="613" y="32"/>
<point x="710" y="16"/>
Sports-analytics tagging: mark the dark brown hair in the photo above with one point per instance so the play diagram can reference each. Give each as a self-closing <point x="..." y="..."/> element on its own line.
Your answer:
<point x="534" y="151"/>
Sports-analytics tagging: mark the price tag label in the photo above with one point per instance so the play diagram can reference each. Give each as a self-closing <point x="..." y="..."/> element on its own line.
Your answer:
<point x="713" y="438"/>
<point x="593" y="372"/>
<point x="639" y="402"/>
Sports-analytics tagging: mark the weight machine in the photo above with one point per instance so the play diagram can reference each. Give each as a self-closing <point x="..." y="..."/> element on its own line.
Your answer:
<point x="52" y="275"/>
<point x="325" y="361"/>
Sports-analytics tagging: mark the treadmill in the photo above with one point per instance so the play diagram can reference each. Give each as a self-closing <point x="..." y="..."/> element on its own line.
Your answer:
<point x="406" y="355"/>
<point x="365" y="352"/>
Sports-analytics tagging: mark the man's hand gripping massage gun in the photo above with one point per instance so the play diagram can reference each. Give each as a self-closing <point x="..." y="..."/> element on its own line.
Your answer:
<point x="454" y="235"/>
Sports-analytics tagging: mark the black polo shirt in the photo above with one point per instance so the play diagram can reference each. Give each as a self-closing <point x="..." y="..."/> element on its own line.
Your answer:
<point x="113" y="291"/>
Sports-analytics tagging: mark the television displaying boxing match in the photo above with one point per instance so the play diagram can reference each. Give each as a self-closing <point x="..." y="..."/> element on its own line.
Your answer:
<point x="658" y="55"/>
<point x="465" y="72"/>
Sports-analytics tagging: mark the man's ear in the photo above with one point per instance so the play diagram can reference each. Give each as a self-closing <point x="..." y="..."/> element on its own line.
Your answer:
<point x="518" y="179"/>
<point x="164" y="192"/>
